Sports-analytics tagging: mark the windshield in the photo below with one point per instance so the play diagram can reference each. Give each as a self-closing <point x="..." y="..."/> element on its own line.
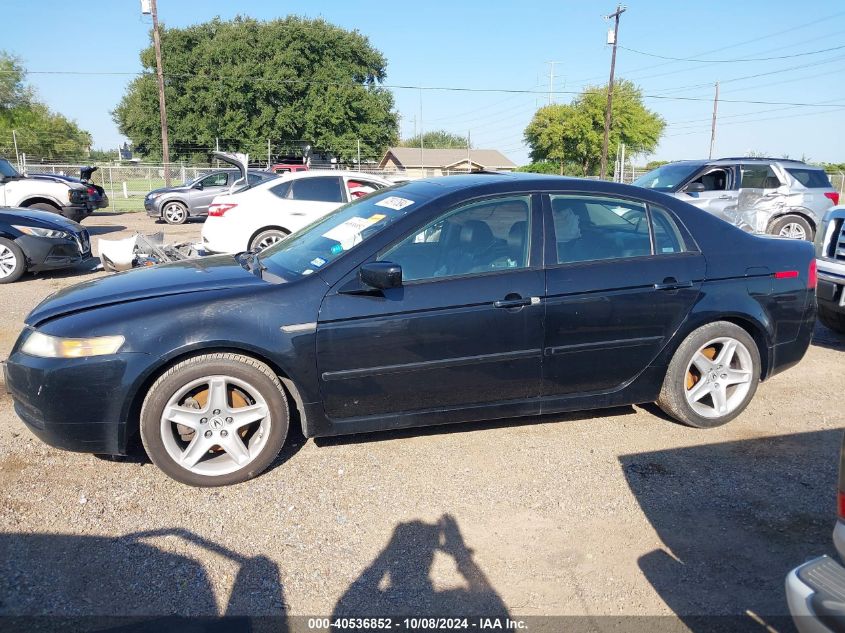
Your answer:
<point x="311" y="248"/>
<point x="6" y="169"/>
<point x="667" y="177"/>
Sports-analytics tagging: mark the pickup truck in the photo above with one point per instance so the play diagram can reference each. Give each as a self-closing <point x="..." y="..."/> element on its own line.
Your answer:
<point x="45" y="193"/>
<point x="830" y="261"/>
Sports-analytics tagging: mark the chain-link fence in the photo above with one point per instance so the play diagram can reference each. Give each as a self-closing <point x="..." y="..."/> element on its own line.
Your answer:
<point x="126" y="185"/>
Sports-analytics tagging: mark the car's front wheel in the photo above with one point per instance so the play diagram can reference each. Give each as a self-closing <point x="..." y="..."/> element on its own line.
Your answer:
<point x="12" y="261"/>
<point x="175" y="213"/>
<point x="214" y="419"/>
<point x="712" y="376"/>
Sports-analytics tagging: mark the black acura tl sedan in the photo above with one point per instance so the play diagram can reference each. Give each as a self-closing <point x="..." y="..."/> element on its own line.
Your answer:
<point x="447" y="300"/>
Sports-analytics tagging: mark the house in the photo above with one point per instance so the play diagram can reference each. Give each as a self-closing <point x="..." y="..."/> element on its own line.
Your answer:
<point x="439" y="162"/>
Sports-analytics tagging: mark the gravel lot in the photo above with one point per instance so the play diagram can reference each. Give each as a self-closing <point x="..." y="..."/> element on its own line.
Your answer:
<point x="609" y="513"/>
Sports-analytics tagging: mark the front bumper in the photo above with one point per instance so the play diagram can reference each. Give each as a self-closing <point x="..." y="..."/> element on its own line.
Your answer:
<point x="79" y="404"/>
<point x="151" y="208"/>
<point x="830" y="291"/>
<point x="45" y="253"/>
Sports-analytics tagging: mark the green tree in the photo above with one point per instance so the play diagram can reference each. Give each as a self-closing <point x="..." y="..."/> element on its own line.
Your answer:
<point x="574" y="132"/>
<point x="41" y="133"/>
<point x="244" y="82"/>
<point x="436" y="139"/>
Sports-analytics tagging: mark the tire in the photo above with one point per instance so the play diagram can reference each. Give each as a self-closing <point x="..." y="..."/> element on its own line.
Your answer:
<point x="174" y="212"/>
<point x="189" y="391"/>
<point x="695" y="384"/>
<point x="12" y="261"/>
<point x="832" y="319"/>
<point x="266" y="238"/>
<point x="793" y="226"/>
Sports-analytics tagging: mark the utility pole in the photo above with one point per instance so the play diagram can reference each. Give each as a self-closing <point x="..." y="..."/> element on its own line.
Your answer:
<point x="469" y="155"/>
<point x="359" y="154"/>
<point x="422" y="151"/>
<point x="713" y="127"/>
<point x="162" y="106"/>
<point x="552" y="79"/>
<point x="619" y="11"/>
<point x="17" y="156"/>
<point x="268" y="153"/>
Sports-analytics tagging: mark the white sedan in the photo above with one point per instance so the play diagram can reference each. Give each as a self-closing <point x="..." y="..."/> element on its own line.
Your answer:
<point x="264" y="214"/>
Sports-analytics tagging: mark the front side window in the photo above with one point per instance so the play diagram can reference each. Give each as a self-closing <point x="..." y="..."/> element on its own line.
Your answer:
<point x="215" y="180"/>
<point x="481" y="237"/>
<point x="759" y="176"/>
<point x="591" y="228"/>
<point x="668" y="177"/>
<point x="715" y="180"/>
<point x="320" y="189"/>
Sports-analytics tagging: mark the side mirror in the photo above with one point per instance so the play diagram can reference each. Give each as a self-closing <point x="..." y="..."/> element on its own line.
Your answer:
<point x="198" y="186"/>
<point x="694" y="187"/>
<point x="381" y="275"/>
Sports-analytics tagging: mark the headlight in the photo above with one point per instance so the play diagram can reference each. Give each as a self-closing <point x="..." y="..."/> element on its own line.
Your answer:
<point x="154" y="195"/>
<point x="46" y="346"/>
<point x="39" y="232"/>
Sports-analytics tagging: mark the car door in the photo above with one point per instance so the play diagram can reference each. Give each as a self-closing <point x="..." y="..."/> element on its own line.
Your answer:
<point x="312" y="197"/>
<point x="761" y="196"/>
<point x="621" y="277"/>
<point x="720" y="193"/>
<point x="211" y="186"/>
<point x="463" y="331"/>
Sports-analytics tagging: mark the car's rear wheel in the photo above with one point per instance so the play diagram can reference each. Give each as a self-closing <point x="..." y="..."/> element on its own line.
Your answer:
<point x="793" y="226"/>
<point x="832" y="319"/>
<point x="12" y="261"/>
<point x="267" y="238"/>
<point x="175" y="213"/>
<point x="712" y="376"/>
<point x="214" y="419"/>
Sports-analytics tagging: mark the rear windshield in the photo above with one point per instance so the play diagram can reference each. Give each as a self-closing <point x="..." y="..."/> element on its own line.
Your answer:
<point x="810" y="178"/>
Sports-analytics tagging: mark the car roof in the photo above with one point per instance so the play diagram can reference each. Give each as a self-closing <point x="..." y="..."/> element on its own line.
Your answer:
<point x="732" y="160"/>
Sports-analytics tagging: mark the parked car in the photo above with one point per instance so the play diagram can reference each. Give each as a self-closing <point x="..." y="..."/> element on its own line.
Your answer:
<point x="288" y="168"/>
<point x="761" y="195"/>
<point x="270" y="211"/>
<point x="35" y="241"/>
<point x="97" y="197"/>
<point x="815" y="590"/>
<point x="45" y="193"/>
<point x="463" y="298"/>
<point x="175" y="205"/>
<point x="830" y="253"/>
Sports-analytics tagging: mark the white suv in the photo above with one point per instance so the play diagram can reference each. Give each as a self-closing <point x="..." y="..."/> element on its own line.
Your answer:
<point x="56" y="195"/>
<point x="266" y="213"/>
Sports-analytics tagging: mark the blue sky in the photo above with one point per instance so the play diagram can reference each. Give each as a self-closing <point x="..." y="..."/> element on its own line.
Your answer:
<point x="497" y="44"/>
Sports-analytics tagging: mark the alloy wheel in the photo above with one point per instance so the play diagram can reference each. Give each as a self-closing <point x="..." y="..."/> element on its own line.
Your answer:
<point x="793" y="230"/>
<point x="215" y="425"/>
<point x="8" y="261"/>
<point x="175" y="213"/>
<point x="718" y="377"/>
<point x="268" y="241"/>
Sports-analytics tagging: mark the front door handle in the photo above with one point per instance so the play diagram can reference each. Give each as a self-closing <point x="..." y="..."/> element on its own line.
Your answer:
<point x="670" y="283"/>
<point x="515" y="301"/>
<point x="724" y="197"/>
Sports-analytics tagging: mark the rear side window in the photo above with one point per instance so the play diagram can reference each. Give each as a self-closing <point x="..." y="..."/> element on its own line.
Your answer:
<point x="320" y="189"/>
<point x="281" y="190"/>
<point x="758" y="177"/>
<point x="810" y="178"/>
<point x="667" y="236"/>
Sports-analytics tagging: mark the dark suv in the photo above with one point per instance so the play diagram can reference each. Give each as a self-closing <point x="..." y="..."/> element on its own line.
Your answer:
<point x="761" y="195"/>
<point x="175" y="205"/>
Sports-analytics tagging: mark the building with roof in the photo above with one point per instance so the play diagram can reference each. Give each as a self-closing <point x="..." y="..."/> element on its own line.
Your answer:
<point x="440" y="162"/>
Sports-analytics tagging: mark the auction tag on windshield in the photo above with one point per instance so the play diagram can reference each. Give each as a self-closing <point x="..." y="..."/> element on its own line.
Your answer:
<point x="394" y="202"/>
<point x="349" y="233"/>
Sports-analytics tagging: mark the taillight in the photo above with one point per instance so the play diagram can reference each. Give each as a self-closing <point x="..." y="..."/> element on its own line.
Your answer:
<point x="786" y="274"/>
<point x="812" y="275"/>
<point x="219" y="210"/>
<point x="841" y="504"/>
<point x="91" y="191"/>
<point x="833" y="195"/>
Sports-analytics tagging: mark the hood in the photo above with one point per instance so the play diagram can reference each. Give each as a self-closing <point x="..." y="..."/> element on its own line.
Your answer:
<point x="41" y="219"/>
<point x="65" y="180"/>
<point x="193" y="275"/>
<point x="174" y="189"/>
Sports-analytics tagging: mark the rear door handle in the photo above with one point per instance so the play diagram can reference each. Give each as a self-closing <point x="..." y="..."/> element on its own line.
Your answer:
<point x="724" y="198"/>
<point x="517" y="302"/>
<point x="672" y="284"/>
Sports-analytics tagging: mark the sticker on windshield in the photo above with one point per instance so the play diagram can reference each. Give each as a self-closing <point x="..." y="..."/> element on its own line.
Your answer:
<point x="349" y="233"/>
<point x="318" y="261"/>
<point x="394" y="202"/>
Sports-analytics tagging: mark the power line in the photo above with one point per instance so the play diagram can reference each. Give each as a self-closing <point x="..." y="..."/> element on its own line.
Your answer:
<point x="733" y="61"/>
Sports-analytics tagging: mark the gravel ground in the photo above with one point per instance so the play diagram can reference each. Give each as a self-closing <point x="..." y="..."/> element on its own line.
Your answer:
<point x="608" y="513"/>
